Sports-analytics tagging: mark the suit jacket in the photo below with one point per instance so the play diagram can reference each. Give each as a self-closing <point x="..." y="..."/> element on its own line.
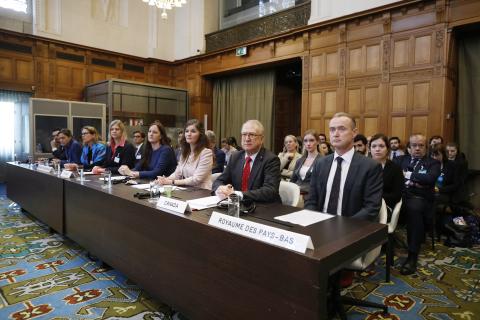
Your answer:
<point x="392" y="183"/>
<point x="424" y="176"/>
<point x="305" y="183"/>
<point x="398" y="153"/>
<point x="219" y="160"/>
<point x="264" y="179"/>
<point x="362" y="193"/>
<point x="139" y="153"/>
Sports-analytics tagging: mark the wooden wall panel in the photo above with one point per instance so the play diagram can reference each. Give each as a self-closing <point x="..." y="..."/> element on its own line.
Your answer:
<point x="389" y="66"/>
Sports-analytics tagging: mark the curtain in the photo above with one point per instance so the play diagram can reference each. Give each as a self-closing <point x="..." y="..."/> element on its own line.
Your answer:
<point x="14" y="127"/>
<point x="244" y="97"/>
<point x="469" y="99"/>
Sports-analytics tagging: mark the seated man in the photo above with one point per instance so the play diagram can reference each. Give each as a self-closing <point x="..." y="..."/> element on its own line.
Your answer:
<point x="254" y="172"/>
<point x="346" y="183"/>
<point x="58" y="150"/>
<point x="219" y="154"/>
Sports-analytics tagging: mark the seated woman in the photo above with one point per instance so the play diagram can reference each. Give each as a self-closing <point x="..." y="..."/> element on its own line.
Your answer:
<point x="195" y="166"/>
<point x="325" y="148"/>
<point x="450" y="179"/>
<point x="289" y="156"/>
<point x="393" y="180"/>
<point x="71" y="147"/>
<point x="119" y="150"/>
<point x="93" y="152"/>
<point x="158" y="159"/>
<point x="303" y="169"/>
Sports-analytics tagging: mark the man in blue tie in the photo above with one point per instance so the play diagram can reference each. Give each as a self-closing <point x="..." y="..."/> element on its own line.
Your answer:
<point x="395" y="150"/>
<point x="420" y="173"/>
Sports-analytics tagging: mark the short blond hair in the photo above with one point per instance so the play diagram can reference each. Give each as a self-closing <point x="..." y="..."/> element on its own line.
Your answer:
<point x="120" y="124"/>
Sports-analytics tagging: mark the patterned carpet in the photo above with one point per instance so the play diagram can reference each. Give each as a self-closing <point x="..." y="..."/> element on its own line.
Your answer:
<point x="44" y="276"/>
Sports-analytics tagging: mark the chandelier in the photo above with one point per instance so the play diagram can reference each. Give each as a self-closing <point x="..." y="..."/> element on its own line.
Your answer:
<point x="166" y="5"/>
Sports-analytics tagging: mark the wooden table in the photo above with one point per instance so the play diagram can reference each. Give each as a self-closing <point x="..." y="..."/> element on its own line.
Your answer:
<point x="40" y="194"/>
<point x="208" y="273"/>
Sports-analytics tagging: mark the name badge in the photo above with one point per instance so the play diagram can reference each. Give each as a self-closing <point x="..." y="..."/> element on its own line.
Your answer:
<point x="117" y="159"/>
<point x="278" y="237"/>
<point x="173" y="205"/>
<point x="422" y="171"/>
<point x="139" y="156"/>
<point x="66" y="174"/>
<point x="44" y="168"/>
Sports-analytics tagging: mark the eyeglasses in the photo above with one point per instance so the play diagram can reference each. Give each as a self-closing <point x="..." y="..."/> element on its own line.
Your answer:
<point x="250" y="135"/>
<point x="85" y="133"/>
<point x="137" y="136"/>
<point x="415" y="145"/>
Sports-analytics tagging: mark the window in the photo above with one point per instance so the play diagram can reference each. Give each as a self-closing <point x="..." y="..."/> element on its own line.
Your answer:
<point x="16" y="5"/>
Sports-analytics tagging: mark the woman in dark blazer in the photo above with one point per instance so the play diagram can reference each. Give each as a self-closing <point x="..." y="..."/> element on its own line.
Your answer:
<point x="393" y="181"/>
<point x="119" y="150"/>
<point x="303" y="168"/>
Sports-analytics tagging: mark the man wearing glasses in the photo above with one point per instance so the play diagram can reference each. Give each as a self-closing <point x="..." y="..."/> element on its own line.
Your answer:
<point x="254" y="172"/>
<point x="138" y="139"/>
<point x="420" y="173"/>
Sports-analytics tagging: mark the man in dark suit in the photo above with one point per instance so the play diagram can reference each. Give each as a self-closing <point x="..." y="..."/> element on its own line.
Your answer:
<point x="346" y="183"/>
<point x="254" y="172"/>
<point x="138" y="141"/>
<point x="219" y="154"/>
<point x="420" y="173"/>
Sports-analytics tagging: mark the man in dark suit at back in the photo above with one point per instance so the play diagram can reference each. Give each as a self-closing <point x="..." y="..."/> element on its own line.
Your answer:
<point x="420" y="174"/>
<point x="254" y="172"/>
<point x="346" y="183"/>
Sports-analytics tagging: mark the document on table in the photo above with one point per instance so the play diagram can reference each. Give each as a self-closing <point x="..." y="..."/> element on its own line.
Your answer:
<point x="203" y="203"/>
<point x="145" y="186"/>
<point x="115" y="178"/>
<point x="87" y="173"/>
<point x="304" y="217"/>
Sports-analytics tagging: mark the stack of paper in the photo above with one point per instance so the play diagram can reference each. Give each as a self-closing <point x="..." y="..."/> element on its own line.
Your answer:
<point x="203" y="203"/>
<point x="304" y="217"/>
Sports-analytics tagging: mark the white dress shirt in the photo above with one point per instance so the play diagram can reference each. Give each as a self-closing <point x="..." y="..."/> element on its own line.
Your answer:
<point x="347" y="160"/>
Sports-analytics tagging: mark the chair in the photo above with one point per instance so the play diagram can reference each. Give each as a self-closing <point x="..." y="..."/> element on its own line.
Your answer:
<point x="392" y="225"/>
<point x="358" y="265"/>
<point x="215" y="176"/>
<point x="289" y="193"/>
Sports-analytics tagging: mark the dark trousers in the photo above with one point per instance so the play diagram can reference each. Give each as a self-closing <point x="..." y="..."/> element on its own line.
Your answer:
<point x="419" y="214"/>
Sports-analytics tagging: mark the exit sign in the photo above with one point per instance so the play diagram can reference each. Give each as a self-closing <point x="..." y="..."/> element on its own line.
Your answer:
<point x="242" y="51"/>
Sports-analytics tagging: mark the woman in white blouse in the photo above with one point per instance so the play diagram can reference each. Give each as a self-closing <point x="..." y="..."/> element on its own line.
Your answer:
<point x="195" y="166"/>
<point x="303" y="169"/>
<point x="289" y="156"/>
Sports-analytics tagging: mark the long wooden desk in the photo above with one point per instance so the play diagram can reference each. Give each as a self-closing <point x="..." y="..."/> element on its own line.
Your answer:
<point x="204" y="272"/>
<point x="41" y="194"/>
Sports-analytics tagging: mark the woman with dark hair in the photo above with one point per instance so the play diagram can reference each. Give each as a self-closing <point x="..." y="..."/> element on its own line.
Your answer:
<point x="450" y="179"/>
<point x="158" y="158"/>
<point x="392" y="173"/>
<point x="72" y="148"/>
<point x="119" y="150"/>
<point x="325" y="148"/>
<point x="303" y="169"/>
<point x="232" y="142"/>
<point x="196" y="161"/>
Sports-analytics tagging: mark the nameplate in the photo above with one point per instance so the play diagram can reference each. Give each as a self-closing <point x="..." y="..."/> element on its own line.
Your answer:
<point x="174" y="205"/>
<point x="279" y="237"/>
<point x="44" y="168"/>
<point x="66" y="174"/>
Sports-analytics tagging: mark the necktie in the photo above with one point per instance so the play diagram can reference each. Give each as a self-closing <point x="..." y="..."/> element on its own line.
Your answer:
<point x="394" y="154"/>
<point x="413" y="163"/>
<point x="246" y="174"/>
<point x="335" y="191"/>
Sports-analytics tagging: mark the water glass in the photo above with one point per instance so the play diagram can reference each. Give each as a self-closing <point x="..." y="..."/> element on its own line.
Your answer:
<point x="153" y="191"/>
<point x="168" y="190"/>
<point x="233" y="205"/>
<point x="80" y="172"/>
<point x="107" y="178"/>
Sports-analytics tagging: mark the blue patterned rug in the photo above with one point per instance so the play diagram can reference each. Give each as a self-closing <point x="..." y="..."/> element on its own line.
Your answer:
<point x="45" y="276"/>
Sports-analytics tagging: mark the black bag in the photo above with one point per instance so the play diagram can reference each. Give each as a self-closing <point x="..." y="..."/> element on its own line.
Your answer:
<point x="458" y="235"/>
